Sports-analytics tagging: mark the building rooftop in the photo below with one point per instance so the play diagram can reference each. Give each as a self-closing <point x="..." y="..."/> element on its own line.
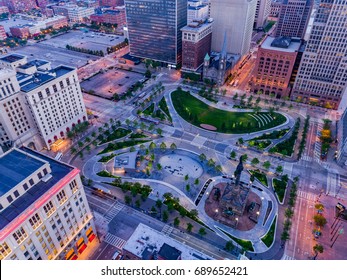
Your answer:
<point x="32" y="63"/>
<point x="38" y="79"/>
<point x="127" y="160"/>
<point x="282" y="44"/>
<point x="26" y="163"/>
<point x="196" y="26"/>
<point x="146" y="242"/>
<point x="168" y="252"/>
<point x="15" y="167"/>
<point x="12" y="58"/>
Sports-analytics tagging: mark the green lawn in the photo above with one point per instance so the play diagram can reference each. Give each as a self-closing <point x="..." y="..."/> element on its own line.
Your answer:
<point x="118" y="133"/>
<point x="259" y="144"/>
<point x="163" y="106"/>
<point x="245" y="244"/>
<point x="197" y="112"/>
<point x="260" y="176"/>
<point x="269" y="25"/>
<point x="280" y="188"/>
<point x="104" y="173"/>
<point x="149" y="110"/>
<point x="107" y="158"/>
<point x="269" y="237"/>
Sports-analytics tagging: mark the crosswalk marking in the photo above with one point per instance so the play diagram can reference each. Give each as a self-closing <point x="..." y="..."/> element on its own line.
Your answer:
<point x="167" y="230"/>
<point x="115" y="241"/>
<point x="286" y="257"/>
<point x="116" y="208"/>
<point x="306" y="195"/>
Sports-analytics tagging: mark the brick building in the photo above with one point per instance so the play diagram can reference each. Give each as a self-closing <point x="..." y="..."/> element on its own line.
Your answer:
<point x="16" y="6"/>
<point x="196" y="43"/>
<point x="112" y="3"/>
<point x="274" y="66"/>
<point x="115" y="16"/>
<point x="3" y="35"/>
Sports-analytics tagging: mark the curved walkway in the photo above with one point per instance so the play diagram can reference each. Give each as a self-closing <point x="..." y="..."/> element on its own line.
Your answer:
<point x="92" y="166"/>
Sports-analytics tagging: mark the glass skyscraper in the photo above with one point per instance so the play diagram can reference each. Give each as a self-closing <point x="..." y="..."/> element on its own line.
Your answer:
<point x="154" y="28"/>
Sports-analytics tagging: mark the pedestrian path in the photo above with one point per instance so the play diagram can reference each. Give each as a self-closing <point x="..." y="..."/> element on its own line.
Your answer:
<point x="307" y="195"/>
<point x="115" y="241"/>
<point x="116" y="208"/>
<point x="167" y="230"/>
<point x="286" y="257"/>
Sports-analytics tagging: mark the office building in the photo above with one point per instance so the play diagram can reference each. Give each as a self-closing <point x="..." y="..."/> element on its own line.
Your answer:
<point x="342" y="140"/>
<point x="273" y="69"/>
<point x="41" y="3"/>
<point x="114" y="16"/>
<point x="3" y="34"/>
<point x="196" y="43"/>
<point x="112" y="3"/>
<point x="322" y="74"/>
<point x="293" y="18"/>
<point x="262" y="12"/>
<point x="73" y="12"/>
<point x="236" y="19"/>
<point x="38" y="105"/>
<point x="147" y="243"/>
<point x="16" y="6"/>
<point x="197" y="10"/>
<point x="44" y="213"/>
<point x="275" y="8"/>
<point x="154" y="29"/>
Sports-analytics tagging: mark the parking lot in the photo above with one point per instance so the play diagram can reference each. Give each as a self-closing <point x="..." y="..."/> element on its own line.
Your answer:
<point x="54" y="50"/>
<point x="89" y="40"/>
<point x="110" y="82"/>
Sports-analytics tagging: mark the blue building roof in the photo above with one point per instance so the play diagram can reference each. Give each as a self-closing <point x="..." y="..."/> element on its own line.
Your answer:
<point x="26" y="164"/>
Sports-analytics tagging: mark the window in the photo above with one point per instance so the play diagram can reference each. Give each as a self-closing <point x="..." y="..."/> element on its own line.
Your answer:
<point x="16" y="193"/>
<point x="9" y="199"/>
<point x="49" y="208"/>
<point x="20" y="235"/>
<point x="73" y="186"/>
<point x="35" y="221"/>
<point x="4" y="250"/>
<point x="31" y="182"/>
<point x="61" y="196"/>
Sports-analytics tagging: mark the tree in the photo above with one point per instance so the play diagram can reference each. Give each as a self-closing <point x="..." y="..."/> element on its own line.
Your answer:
<point x="255" y="161"/>
<point x="319" y="207"/>
<point x="194" y="213"/>
<point x="176" y="222"/>
<point x="152" y="146"/>
<point x="159" y="203"/>
<point x="80" y="144"/>
<point x="244" y="157"/>
<point x="318" y="248"/>
<point x="159" y="131"/>
<point x="132" y="149"/>
<point x="219" y="168"/>
<point x="188" y="188"/>
<point x="267" y="165"/>
<point x="279" y="169"/>
<point x="202" y="157"/>
<point x="138" y="203"/>
<point x="88" y="149"/>
<point x="127" y="199"/>
<point x="289" y="213"/>
<point x="73" y="150"/>
<point x="211" y="162"/>
<point x="87" y="140"/>
<point x="159" y="167"/>
<point x="163" y="146"/>
<point x="196" y="181"/>
<point x="233" y="155"/>
<point x="153" y="211"/>
<point x="189" y="227"/>
<point x="127" y="122"/>
<point x="186" y="177"/>
<point x="229" y="246"/>
<point x="240" y="141"/>
<point x="320" y="220"/>
<point x="165" y="216"/>
<point x="173" y="146"/>
<point x="285" y="235"/>
<point x="202" y="231"/>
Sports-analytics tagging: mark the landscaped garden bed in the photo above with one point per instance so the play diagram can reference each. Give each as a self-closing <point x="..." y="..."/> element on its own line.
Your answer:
<point x="280" y="186"/>
<point x="118" y="133"/>
<point x="260" y="176"/>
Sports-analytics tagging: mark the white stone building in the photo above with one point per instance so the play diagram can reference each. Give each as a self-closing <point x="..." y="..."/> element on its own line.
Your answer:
<point x="44" y="213"/>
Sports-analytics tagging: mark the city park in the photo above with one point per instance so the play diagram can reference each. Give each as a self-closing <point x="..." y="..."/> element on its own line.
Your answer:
<point x="241" y="204"/>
